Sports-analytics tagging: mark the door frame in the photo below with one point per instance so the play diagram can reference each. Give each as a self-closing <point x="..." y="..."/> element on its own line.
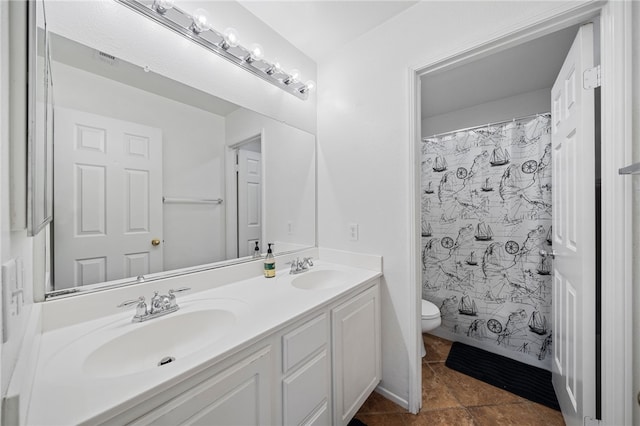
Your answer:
<point x="231" y="211"/>
<point x="615" y="45"/>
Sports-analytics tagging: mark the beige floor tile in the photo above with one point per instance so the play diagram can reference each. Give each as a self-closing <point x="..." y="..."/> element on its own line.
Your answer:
<point x="435" y="393"/>
<point x="436" y="347"/>
<point x="450" y="398"/>
<point x="508" y="414"/>
<point x="377" y="403"/>
<point x="471" y="392"/>
<point x="447" y="417"/>
<point x="547" y="416"/>
<point x="395" y="419"/>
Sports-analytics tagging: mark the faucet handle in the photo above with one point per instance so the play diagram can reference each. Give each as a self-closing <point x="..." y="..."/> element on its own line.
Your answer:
<point x="172" y="297"/>
<point x="141" y="306"/>
<point x="295" y="265"/>
<point x="308" y="261"/>
<point x="126" y="303"/>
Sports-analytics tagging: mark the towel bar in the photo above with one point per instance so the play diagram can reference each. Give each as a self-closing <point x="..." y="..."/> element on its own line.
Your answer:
<point x="630" y="170"/>
<point x="175" y="200"/>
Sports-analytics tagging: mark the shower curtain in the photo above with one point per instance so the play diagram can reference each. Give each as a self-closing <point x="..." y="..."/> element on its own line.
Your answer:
<point x="486" y="214"/>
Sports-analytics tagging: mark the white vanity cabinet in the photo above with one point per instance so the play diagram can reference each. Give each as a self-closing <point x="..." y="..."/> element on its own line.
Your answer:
<point x="357" y="368"/>
<point x="316" y="370"/>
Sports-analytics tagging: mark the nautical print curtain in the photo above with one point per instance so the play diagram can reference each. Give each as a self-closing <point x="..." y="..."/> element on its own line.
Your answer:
<point x="486" y="213"/>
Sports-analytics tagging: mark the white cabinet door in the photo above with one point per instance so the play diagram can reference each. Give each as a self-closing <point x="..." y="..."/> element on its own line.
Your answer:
<point x="305" y="392"/>
<point x="306" y="384"/>
<point x="239" y="395"/>
<point x="356" y="353"/>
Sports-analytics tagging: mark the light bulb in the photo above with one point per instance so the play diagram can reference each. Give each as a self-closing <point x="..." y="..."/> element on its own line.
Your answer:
<point x="161" y="6"/>
<point x="293" y="76"/>
<point x="275" y="68"/>
<point x="200" y="21"/>
<point x="230" y="38"/>
<point x="256" y="52"/>
<point x="309" y="86"/>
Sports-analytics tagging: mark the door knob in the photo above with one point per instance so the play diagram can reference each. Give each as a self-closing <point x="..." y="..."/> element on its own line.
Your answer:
<point x="155" y="242"/>
<point x="550" y="253"/>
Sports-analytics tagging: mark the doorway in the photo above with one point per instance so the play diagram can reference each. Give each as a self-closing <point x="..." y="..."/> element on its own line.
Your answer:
<point x="615" y="39"/>
<point x="247" y="191"/>
<point x="481" y="102"/>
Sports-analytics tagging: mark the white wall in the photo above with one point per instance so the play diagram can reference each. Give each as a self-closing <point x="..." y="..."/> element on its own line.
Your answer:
<point x="364" y="146"/>
<point x="289" y="189"/>
<point x="520" y="105"/>
<point x="193" y="157"/>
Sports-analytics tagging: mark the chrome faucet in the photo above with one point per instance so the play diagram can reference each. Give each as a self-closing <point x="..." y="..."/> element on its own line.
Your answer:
<point x="160" y="305"/>
<point x="298" y="266"/>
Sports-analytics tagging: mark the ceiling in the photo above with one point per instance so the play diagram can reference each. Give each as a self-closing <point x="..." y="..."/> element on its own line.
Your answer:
<point x="530" y="66"/>
<point x="318" y="27"/>
<point x="77" y="55"/>
<point x="322" y="26"/>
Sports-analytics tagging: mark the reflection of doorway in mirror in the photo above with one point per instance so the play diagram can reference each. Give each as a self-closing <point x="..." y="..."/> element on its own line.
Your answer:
<point x="108" y="199"/>
<point x="249" y="195"/>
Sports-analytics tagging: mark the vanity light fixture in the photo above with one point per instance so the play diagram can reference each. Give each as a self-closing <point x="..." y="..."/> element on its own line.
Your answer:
<point x="197" y="28"/>
<point x="256" y="53"/>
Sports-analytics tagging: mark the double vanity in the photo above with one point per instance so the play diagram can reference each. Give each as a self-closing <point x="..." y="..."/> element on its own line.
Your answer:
<point x="295" y="349"/>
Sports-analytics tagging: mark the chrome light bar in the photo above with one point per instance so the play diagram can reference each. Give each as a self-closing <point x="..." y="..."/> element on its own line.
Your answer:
<point x="184" y="24"/>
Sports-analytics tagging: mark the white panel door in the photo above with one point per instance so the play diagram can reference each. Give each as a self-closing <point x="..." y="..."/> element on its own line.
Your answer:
<point x="574" y="363"/>
<point x="108" y="199"/>
<point x="249" y="201"/>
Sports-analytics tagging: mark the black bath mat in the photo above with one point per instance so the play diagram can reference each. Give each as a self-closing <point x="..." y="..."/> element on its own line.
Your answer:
<point x="524" y="380"/>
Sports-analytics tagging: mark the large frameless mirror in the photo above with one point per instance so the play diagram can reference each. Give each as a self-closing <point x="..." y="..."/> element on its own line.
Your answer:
<point x="40" y="127"/>
<point x="153" y="177"/>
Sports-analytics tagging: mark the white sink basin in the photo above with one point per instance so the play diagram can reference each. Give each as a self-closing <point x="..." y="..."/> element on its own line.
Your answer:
<point x="158" y="342"/>
<point x="319" y="279"/>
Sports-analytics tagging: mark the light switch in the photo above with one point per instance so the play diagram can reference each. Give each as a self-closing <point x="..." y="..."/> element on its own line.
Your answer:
<point x="353" y="232"/>
<point x="8" y="286"/>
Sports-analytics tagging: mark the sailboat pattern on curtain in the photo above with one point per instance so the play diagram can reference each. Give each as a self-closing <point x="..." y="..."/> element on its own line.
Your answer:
<point x="486" y="213"/>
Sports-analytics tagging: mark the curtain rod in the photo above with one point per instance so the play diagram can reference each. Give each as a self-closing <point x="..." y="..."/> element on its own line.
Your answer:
<point x="513" y="120"/>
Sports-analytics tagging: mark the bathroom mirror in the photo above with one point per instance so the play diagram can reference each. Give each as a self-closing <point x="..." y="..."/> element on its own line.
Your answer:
<point x="40" y="129"/>
<point x="153" y="177"/>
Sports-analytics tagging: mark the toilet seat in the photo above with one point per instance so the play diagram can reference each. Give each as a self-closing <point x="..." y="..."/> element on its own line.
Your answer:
<point x="429" y="310"/>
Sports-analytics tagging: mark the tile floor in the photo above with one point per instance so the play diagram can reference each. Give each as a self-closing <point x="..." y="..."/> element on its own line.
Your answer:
<point x="452" y="398"/>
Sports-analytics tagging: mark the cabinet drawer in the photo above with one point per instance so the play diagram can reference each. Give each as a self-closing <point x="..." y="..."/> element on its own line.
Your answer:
<point x="306" y="390"/>
<point x="304" y="341"/>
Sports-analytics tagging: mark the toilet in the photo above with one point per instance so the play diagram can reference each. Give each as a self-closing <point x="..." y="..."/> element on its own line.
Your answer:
<point x="430" y="319"/>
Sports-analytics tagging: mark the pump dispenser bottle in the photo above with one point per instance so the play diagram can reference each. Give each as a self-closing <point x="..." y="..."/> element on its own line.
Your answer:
<point x="256" y="251"/>
<point x="269" y="264"/>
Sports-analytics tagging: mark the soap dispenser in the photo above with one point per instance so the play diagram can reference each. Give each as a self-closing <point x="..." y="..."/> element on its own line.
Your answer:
<point x="269" y="264"/>
<point x="256" y="251"/>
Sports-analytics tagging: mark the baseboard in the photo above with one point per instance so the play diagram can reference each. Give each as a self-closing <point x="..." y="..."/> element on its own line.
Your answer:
<point x="392" y="397"/>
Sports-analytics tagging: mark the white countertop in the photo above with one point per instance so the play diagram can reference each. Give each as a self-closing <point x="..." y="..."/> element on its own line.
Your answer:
<point x="64" y="393"/>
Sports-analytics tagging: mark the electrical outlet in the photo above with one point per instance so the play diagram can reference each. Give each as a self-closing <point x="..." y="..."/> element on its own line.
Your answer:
<point x="353" y="232"/>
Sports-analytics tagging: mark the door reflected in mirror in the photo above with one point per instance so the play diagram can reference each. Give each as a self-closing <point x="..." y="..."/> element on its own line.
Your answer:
<point x="151" y="175"/>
